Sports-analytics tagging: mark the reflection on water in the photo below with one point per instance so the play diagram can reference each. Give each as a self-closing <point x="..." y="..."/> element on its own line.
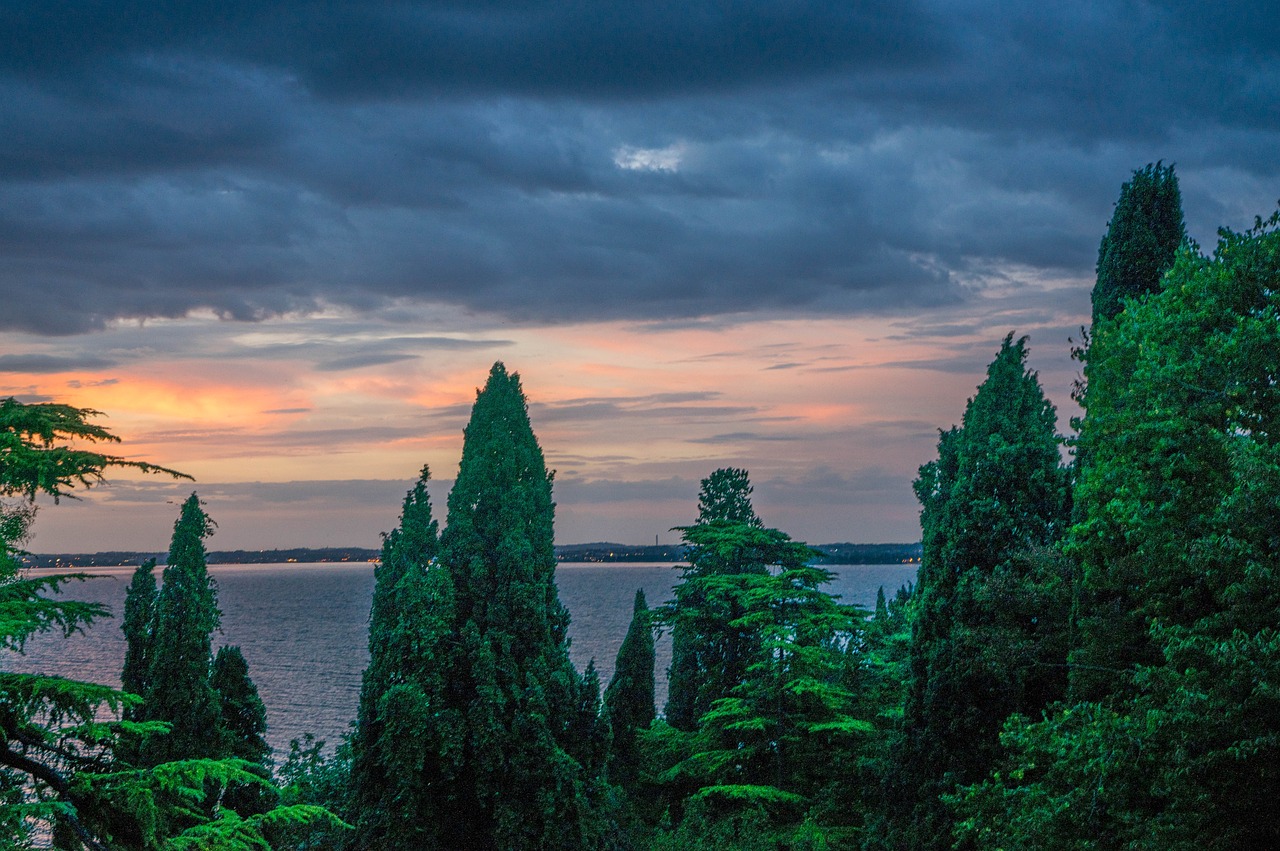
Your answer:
<point x="304" y="629"/>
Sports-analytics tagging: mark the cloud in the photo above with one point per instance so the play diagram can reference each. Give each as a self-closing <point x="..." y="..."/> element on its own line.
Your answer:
<point x="360" y="361"/>
<point x="551" y="162"/>
<point x="46" y="364"/>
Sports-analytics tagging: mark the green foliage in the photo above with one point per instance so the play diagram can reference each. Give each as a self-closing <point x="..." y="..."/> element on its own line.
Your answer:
<point x="396" y="742"/>
<point x="1141" y="240"/>
<point x="186" y="614"/>
<point x="779" y="730"/>
<point x="1181" y="418"/>
<point x="39" y="451"/>
<point x="139" y="620"/>
<point x="310" y="777"/>
<point x="489" y="734"/>
<point x="61" y="766"/>
<point x="1177" y="511"/>
<point x="629" y="699"/>
<point x="725" y="496"/>
<point x="989" y="636"/>
<point x="242" y="723"/>
<point x="706" y="659"/>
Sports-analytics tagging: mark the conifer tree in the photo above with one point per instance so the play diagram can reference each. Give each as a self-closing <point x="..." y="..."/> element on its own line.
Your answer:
<point x="996" y="494"/>
<point x="394" y="759"/>
<point x="242" y="715"/>
<point x="139" y="619"/>
<point x="242" y="723"/>
<point x="1172" y="740"/>
<point x="1141" y="239"/>
<point x="496" y="738"/>
<point x="778" y="734"/>
<point x="700" y="651"/>
<point x="629" y="699"/>
<point x="61" y="767"/>
<point x="186" y="616"/>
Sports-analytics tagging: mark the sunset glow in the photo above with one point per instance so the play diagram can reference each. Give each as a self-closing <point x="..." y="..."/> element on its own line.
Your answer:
<point x="282" y="260"/>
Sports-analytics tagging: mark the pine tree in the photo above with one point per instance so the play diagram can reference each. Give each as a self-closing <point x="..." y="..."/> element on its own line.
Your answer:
<point x="1141" y="240"/>
<point x="186" y="616"/>
<point x="996" y="495"/>
<point x="629" y="699"/>
<point x="705" y="661"/>
<point x="778" y="735"/>
<point x="139" y="619"/>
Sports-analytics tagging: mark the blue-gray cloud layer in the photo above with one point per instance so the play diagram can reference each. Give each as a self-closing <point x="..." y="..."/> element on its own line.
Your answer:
<point x="546" y="161"/>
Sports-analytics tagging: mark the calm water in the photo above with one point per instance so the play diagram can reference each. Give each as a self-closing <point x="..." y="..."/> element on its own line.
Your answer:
<point x="304" y="629"/>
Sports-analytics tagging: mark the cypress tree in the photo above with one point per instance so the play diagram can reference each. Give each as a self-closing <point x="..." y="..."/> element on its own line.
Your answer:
<point x="243" y="715"/>
<point x="242" y="723"/>
<point x="139" y="618"/>
<point x="496" y="738"/>
<point x="996" y="495"/>
<point x="186" y="614"/>
<point x="629" y="699"/>
<point x="1141" y="241"/>
<point x="394" y="758"/>
<point x="700" y="651"/>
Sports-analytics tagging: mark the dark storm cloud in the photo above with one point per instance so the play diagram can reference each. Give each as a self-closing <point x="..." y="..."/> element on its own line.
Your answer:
<point x="352" y="50"/>
<point x="547" y="161"/>
<point x="45" y="364"/>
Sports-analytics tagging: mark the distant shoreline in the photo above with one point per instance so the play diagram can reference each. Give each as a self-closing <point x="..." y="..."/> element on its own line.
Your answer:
<point x="601" y="552"/>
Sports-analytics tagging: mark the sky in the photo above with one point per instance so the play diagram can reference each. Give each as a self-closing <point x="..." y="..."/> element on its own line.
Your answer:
<point x="280" y="244"/>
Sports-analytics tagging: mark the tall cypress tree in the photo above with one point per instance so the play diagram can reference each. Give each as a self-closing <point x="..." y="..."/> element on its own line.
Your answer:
<point x="996" y="494"/>
<point x="139" y="620"/>
<point x="186" y="614"/>
<point x="497" y="738"/>
<point x="394" y="760"/>
<point x="629" y="699"/>
<point x="1141" y="241"/>
<point x="700" y="651"/>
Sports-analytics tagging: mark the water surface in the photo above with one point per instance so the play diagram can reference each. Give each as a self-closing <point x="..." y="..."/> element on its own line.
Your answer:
<point x="304" y="629"/>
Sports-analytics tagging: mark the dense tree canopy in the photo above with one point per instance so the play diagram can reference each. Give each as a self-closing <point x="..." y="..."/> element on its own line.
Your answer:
<point x="707" y="656"/>
<point x="1090" y="659"/>
<point x="186" y="615"/>
<point x="1173" y="743"/>
<point x="393" y="799"/>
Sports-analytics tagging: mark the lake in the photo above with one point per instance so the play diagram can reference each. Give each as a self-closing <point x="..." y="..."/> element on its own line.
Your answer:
<point x="304" y="629"/>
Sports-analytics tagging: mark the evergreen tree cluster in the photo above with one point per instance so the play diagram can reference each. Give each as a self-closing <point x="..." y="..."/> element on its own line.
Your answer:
<point x="86" y="766"/>
<point x="475" y="730"/>
<point x="1089" y="659"/>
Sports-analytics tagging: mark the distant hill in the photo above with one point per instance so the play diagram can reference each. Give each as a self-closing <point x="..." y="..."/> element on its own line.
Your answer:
<point x="869" y="553"/>
<point x="126" y="558"/>
<point x="845" y="553"/>
<point x="602" y="552"/>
